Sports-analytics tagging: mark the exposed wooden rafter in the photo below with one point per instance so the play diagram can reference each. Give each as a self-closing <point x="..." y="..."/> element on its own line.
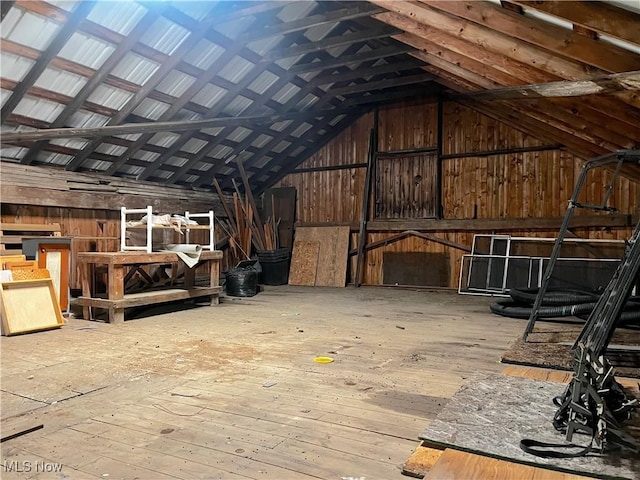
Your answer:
<point x="595" y="85"/>
<point x="332" y="42"/>
<point x="602" y="17"/>
<point x="382" y="84"/>
<point x="551" y="38"/>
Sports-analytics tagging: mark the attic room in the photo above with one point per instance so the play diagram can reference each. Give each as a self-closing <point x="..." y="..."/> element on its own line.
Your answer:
<point x="320" y="239"/>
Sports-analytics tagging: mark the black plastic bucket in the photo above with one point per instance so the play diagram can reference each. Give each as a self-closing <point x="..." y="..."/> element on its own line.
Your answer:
<point x="275" y="266"/>
<point x="242" y="282"/>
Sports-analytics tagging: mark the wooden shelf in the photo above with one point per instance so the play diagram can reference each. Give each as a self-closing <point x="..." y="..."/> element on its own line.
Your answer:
<point x="151" y="297"/>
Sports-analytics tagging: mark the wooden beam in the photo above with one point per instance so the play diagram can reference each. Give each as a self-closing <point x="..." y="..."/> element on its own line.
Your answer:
<point x="394" y="95"/>
<point x="502" y="151"/>
<point x="382" y="84"/>
<point x="346" y="166"/>
<point x="411" y="233"/>
<point x="365" y="72"/>
<point x="366" y="197"/>
<point x="78" y="15"/>
<point x="501" y="224"/>
<point x="331" y="42"/>
<point x="551" y="38"/>
<point x="438" y="66"/>
<point x="434" y="42"/>
<point x="176" y="126"/>
<point x="507" y="47"/>
<point x="590" y="86"/>
<point x="360" y="10"/>
<point x="384" y="52"/>
<point x="603" y="17"/>
<point x="487" y="224"/>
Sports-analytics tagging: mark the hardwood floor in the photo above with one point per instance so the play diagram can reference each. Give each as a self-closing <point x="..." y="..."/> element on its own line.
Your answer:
<point x="232" y="391"/>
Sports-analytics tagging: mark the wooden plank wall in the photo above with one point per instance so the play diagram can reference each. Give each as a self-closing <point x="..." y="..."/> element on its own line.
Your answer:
<point x="79" y="201"/>
<point x="516" y="185"/>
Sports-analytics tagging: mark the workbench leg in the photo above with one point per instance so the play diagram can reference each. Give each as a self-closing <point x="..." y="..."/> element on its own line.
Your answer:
<point x="85" y="268"/>
<point x="116" y="292"/>
<point x="189" y="277"/>
<point x="214" y="279"/>
<point x="116" y="315"/>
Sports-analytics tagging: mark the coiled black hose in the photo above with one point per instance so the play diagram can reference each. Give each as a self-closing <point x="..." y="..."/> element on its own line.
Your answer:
<point x="553" y="297"/>
<point x="630" y="316"/>
<point x="509" y="308"/>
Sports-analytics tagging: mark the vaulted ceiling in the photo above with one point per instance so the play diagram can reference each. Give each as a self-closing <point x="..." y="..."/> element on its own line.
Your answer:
<point x="188" y="89"/>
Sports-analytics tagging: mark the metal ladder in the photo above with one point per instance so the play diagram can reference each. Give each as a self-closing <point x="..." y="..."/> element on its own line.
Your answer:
<point x="618" y="158"/>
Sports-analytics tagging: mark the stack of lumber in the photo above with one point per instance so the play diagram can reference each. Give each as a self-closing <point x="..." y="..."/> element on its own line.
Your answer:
<point x="24" y="184"/>
<point x="244" y="226"/>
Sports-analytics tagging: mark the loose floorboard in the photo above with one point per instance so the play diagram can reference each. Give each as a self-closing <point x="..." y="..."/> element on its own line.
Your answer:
<point x="232" y="391"/>
<point x="456" y="465"/>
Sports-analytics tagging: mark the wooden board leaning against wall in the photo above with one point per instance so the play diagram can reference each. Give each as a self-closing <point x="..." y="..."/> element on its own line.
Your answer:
<point x="533" y="182"/>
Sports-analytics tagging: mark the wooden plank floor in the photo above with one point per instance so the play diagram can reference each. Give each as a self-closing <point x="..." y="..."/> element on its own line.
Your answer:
<point x="233" y="392"/>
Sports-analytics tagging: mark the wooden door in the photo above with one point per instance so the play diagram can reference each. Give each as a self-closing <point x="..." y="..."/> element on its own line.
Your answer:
<point x="55" y="258"/>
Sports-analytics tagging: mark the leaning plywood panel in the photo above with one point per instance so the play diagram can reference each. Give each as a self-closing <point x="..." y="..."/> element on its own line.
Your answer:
<point x="304" y="263"/>
<point x="333" y="253"/>
<point x="29" y="306"/>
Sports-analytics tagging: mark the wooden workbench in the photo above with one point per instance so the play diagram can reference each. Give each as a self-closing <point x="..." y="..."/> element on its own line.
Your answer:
<point x="118" y="262"/>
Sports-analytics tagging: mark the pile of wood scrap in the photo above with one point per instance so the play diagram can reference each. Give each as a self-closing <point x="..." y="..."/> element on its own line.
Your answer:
<point x="244" y="225"/>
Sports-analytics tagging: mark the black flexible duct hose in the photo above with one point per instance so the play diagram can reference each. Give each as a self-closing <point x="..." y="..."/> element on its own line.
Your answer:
<point x="552" y="297"/>
<point x="509" y="308"/>
<point x="629" y="317"/>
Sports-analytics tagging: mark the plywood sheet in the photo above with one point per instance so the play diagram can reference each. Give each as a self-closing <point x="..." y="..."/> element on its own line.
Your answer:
<point x="304" y="263"/>
<point x="333" y="254"/>
<point x="457" y="465"/>
<point x="491" y="414"/>
<point x="28" y="306"/>
<point x="421" y="461"/>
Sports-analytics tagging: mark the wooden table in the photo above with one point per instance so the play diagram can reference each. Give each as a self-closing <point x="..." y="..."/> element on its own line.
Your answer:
<point x="118" y="262"/>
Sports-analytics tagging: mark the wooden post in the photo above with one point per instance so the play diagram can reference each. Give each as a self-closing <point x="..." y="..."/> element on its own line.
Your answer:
<point x="439" y="140"/>
<point x="373" y="139"/>
<point x="116" y="291"/>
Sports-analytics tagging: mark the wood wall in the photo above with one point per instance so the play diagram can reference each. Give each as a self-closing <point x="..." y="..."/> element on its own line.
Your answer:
<point x="81" y="202"/>
<point x="534" y="184"/>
